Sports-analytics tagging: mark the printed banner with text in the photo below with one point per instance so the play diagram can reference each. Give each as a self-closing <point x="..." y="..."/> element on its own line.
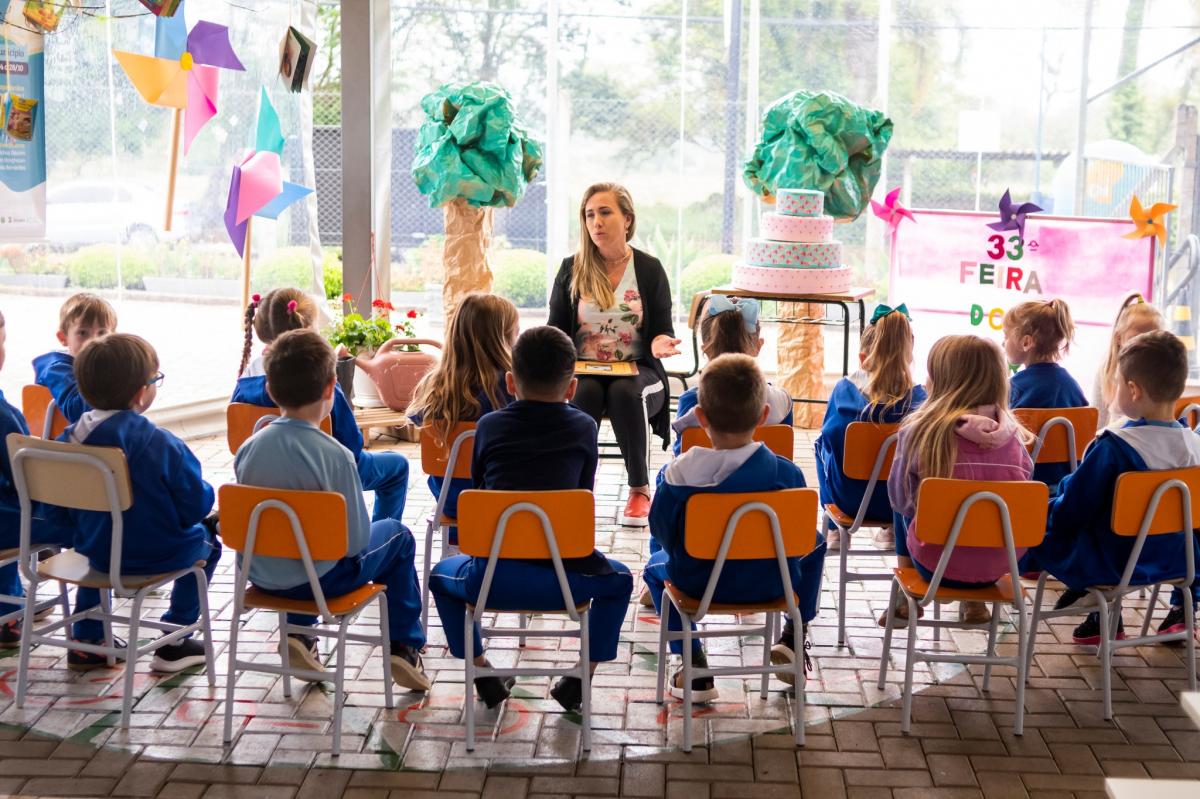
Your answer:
<point x="22" y="126"/>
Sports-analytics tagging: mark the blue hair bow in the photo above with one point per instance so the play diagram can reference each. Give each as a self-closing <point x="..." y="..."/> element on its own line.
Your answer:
<point x="720" y="303"/>
<point x="882" y="310"/>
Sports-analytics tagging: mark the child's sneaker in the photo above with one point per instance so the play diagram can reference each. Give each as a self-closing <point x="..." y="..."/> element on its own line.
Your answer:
<point x="78" y="660"/>
<point x="178" y="656"/>
<point x="1068" y="598"/>
<point x="644" y="599"/>
<point x="492" y="690"/>
<point x="784" y="654"/>
<point x="1088" y="633"/>
<point x="833" y="540"/>
<point x="637" y="510"/>
<point x="568" y="692"/>
<point x="10" y="634"/>
<point x="1174" y="622"/>
<point x="407" y="669"/>
<point x="704" y="689"/>
<point x="885" y="538"/>
<point x="303" y="653"/>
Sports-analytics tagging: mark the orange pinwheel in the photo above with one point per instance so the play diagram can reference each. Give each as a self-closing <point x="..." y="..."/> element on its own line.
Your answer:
<point x="1149" y="221"/>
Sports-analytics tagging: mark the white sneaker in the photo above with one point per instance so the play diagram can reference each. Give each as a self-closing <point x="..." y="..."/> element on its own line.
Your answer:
<point x="885" y="538"/>
<point x="303" y="652"/>
<point x="833" y="540"/>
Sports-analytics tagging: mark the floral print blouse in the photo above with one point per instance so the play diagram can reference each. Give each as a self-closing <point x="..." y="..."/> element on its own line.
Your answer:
<point x="612" y="334"/>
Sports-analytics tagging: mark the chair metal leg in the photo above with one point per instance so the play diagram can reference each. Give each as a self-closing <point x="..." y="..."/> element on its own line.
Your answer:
<point x="1189" y="617"/>
<point x="210" y="665"/>
<point x="937" y="616"/>
<point x="231" y="670"/>
<point x="687" y="681"/>
<point x="801" y="680"/>
<point x="131" y="658"/>
<point x="523" y="623"/>
<point x="426" y="568"/>
<point x="1022" y="675"/>
<point x="843" y="559"/>
<point x="585" y="679"/>
<point x="663" y="651"/>
<point x="1105" y="660"/>
<point x="1035" y="615"/>
<point x="339" y="681"/>
<point x="106" y="624"/>
<point x="887" y="635"/>
<point x="385" y="640"/>
<point x="991" y="645"/>
<point x="26" y="635"/>
<point x="285" y="657"/>
<point x="1150" y="606"/>
<point x="910" y="657"/>
<point x="768" y="636"/>
<point x="469" y="679"/>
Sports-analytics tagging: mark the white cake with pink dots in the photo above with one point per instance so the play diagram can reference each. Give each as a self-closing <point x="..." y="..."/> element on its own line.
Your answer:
<point x="797" y="253"/>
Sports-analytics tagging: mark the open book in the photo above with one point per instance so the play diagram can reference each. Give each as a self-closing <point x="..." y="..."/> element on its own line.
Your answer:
<point x="606" y="368"/>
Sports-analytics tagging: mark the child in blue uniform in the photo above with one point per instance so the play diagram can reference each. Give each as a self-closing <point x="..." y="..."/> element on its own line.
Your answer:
<point x="882" y="391"/>
<point x="1036" y="336"/>
<point x="292" y="452"/>
<point x="1080" y="548"/>
<point x="281" y="310"/>
<point x="732" y="402"/>
<point x="82" y="318"/>
<point x="730" y="325"/>
<point x="165" y="529"/>
<point x="538" y="443"/>
<point x="43" y="531"/>
<point x="468" y="381"/>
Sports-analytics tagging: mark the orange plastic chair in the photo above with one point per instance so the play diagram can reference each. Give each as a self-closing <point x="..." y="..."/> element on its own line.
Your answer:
<point x="1144" y="504"/>
<point x="1063" y="434"/>
<point x="544" y="525"/>
<point x="867" y="455"/>
<point x="968" y="513"/>
<point x="1188" y="407"/>
<point x="766" y="525"/>
<point x="243" y="420"/>
<point x="448" y="459"/>
<point x="306" y="526"/>
<point x="779" y="438"/>
<point x="41" y="413"/>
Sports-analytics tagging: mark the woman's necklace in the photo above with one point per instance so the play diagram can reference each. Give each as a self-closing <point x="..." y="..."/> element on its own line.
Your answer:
<point x="616" y="268"/>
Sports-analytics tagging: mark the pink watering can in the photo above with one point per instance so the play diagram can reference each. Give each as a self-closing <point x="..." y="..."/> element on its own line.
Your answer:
<point x="396" y="373"/>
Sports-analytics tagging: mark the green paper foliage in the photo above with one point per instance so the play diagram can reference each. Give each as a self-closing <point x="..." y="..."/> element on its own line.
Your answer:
<point x="471" y="145"/>
<point x="820" y="141"/>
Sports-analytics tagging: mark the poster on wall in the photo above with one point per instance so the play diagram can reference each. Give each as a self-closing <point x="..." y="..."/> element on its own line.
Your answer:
<point x="22" y="126"/>
<point x="950" y="262"/>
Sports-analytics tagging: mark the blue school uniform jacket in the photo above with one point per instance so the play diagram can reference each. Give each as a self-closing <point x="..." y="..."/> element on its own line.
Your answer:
<point x="252" y="388"/>
<point x="1046" y="385"/>
<point x="779" y="401"/>
<point x="162" y="530"/>
<point x="56" y="371"/>
<point x="761" y="471"/>
<point x="11" y="421"/>
<point x="1080" y="548"/>
<point x="849" y="404"/>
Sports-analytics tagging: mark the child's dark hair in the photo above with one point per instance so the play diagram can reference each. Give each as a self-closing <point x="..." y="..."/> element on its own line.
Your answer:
<point x="112" y="370"/>
<point x="1157" y="362"/>
<point x="86" y="309"/>
<point x="732" y="393"/>
<point x="276" y="313"/>
<point x="1048" y="323"/>
<point x="543" y="360"/>
<point x="725" y="333"/>
<point x="299" y="366"/>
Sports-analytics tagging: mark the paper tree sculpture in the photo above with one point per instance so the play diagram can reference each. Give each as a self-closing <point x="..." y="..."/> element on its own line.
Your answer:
<point x="257" y="187"/>
<point x="1149" y="221"/>
<point x="472" y="153"/>
<point x="891" y="211"/>
<point x="1012" y="216"/>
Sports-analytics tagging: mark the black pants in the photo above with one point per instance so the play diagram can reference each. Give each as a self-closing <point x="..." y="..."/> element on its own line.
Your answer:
<point x="620" y="399"/>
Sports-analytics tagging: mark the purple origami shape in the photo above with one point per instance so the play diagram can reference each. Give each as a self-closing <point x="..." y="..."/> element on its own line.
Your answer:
<point x="1013" y="217"/>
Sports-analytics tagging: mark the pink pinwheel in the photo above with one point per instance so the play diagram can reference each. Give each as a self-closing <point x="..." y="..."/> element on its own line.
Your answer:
<point x="891" y="211"/>
<point x="1012" y="217"/>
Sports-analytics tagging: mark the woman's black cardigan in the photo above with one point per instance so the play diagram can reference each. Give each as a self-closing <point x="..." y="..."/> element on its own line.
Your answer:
<point x="656" y="319"/>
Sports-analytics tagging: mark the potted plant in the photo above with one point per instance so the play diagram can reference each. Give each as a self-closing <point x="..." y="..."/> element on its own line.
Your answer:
<point x="362" y="337"/>
<point x="388" y="368"/>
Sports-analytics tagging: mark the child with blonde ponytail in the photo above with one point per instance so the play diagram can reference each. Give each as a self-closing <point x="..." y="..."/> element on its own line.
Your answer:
<point x="1135" y="317"/>
<point x="963" y="430"/>
<point x="881" y="391"/>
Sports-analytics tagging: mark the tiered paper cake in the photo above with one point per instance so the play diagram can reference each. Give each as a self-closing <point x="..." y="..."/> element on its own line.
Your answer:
<point x="797" y="253"/>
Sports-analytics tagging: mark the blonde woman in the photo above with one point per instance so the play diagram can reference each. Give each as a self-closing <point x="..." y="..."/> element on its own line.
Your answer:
<point x="615" y="304"/>
<point x="1135" y="317"/>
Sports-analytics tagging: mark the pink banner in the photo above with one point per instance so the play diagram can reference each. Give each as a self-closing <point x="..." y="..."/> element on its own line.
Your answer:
<point x="950" y="262"/>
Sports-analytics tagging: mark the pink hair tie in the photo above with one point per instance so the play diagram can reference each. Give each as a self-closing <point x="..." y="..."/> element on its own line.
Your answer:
<point x="255" y="298"/>
<point x="291" y="306"/>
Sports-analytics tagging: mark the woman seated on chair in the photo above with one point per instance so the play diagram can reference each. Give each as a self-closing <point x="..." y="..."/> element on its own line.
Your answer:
<point x="615" y="304"/>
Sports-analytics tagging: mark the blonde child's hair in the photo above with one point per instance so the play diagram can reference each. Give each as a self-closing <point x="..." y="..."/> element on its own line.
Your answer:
<point x="589" y="278"/>
<point x="887" y="347"/>
<point x="478" y="347"/>
<point x="273" y="315"/>
<point x="1135" y="315"/>
<point x="965" y="372"/>
<point x="86" y="309"/>
<point x="1047" y="322"/>
<point x="725" y="333"/>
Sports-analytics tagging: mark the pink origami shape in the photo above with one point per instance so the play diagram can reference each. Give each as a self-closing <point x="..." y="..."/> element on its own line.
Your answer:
<point x="891" y="211"/>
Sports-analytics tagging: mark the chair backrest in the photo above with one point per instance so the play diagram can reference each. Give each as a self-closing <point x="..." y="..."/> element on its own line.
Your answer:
<point x="864" y="442"/>
<point x="1188" y="407"/>
<point x="243" y="420"/>
<point x="1136" y="491"/>
<point x="941" y="503"/>
<point x="1063" y="434"/>
<point x="37" y="405"/>
<point x="779" y="438"/>
<point x="458" y="447"/>
<point x="698" y="300"/>
<point x="710" y="520"/>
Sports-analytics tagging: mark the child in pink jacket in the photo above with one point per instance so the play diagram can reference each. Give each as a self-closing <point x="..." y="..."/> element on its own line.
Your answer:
<point x="963" y="430"/>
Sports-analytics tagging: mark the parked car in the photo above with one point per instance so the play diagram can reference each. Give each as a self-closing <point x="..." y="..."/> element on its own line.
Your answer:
<point x="93" y="212"/>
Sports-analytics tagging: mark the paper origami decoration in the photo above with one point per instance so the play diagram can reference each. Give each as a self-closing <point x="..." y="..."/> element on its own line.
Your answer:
<point x="1012" y="217"/>
<point x="183" y="73"/>
<point x="1149" y="221"/>
<point x="297" y="53"/>
<point x="257" y="187"/>
<point x="161" y="8"/>
<point x="891" y="211"/>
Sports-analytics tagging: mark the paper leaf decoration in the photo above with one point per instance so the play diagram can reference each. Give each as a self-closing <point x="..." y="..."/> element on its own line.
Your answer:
<point x="1012" y="216"/>
<point x="269" y="136"/>
<point x="891" y="211"/>
<point x="1148" y="221"/>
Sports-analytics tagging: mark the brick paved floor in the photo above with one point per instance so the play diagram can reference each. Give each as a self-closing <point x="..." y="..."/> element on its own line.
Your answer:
<point x="65" y="741"/>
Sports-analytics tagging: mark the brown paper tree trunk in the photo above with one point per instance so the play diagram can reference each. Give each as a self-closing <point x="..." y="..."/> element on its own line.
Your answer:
<point x="801" y="356"/>
<point x="465" y="253"/>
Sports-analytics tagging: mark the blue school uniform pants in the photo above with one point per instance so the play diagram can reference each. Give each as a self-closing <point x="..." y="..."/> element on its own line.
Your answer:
<point x="522" y="585"/>
<point x="389" y="559"/>
<point x="733" y="587"/>
<point x="42" y="532"/>
<point x="385" y="473"/>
